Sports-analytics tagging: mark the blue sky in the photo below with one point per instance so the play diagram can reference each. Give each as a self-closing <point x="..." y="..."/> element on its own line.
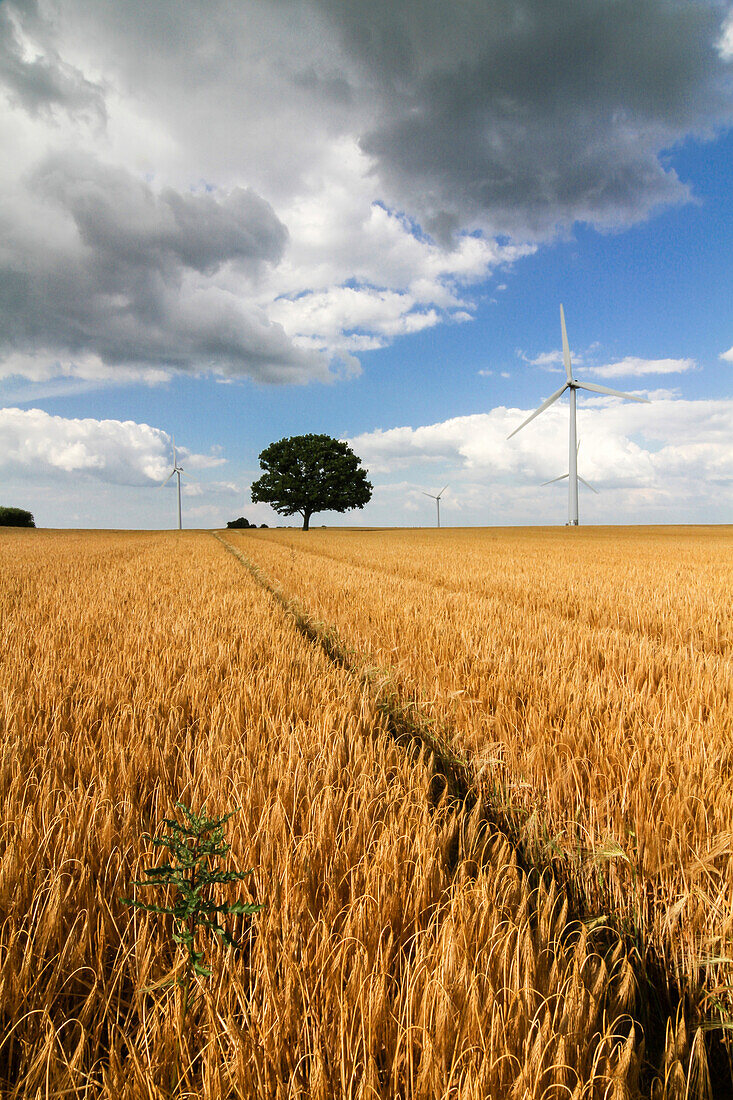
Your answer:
<point x="307" y="216"/>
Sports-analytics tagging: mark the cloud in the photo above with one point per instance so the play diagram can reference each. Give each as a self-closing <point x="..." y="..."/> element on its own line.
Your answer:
<point x="112" y="274"/>
<point x="725" y="42"/>
<point x="121" y="218"/>
<point x="675" y="456"/>
<point x="397" y="280"/>
<point x="36" y="77"/>
<point x="632" y="366"/>
<point x="38" y="367"/>
<point x="628" y="367"/>
<point x="728" y="355"/>
<point x="342" y="310"/>
<point x="113" y="452"/>
<point x="548" y="360"/>
<point x="536" y="114"/>
<point x="315" y="178"/>
<point x="313" y="164"/>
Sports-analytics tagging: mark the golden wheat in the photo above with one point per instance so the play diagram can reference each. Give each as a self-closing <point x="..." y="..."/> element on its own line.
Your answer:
<point x="586" y="675"/>
<point x="401" y="951"/>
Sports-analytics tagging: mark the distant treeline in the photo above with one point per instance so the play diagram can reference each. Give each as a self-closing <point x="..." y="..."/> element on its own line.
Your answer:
<point x="16" y="517"/>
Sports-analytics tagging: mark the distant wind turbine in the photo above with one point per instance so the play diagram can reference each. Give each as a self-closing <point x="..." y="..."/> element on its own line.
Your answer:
<point x="436" y="499"/>
<point x="176" y="471"/>
<point x="572" y="384"/>
<point x="563" y="476"/>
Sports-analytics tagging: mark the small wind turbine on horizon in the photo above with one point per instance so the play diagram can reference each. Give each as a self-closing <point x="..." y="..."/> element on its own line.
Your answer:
<point x="176" y="471"/>
<point x="436" y="499"/>
<point x="572" y="384"/>
<point x="563" y="476"/>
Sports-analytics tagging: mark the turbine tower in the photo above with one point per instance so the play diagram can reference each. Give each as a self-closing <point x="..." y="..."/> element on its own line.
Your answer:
<point x="177" y="471"/>
<point x="436" y="499"/>
<point x="573" y="384"/>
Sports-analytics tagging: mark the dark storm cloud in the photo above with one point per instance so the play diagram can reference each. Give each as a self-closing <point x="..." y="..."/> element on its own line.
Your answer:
<point x="124" y="275"/>
<point x="529" y="114"/>
<point x="33" y="73"/>
<point x="123" y="221"/>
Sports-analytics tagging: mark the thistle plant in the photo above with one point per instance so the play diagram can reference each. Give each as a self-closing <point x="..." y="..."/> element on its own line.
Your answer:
<point x="189" y="876"/>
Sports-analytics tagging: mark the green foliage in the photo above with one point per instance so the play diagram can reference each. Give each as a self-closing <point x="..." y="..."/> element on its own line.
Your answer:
<point x="311" y="473"/>
<point x="190" y="877"/>
<point x="16" y="517"/>
<point x="241" y="522"/>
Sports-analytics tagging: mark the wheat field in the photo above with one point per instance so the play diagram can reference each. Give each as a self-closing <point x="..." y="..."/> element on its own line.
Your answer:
<point x="401" y="951"/>
<point x="585" y="676"/>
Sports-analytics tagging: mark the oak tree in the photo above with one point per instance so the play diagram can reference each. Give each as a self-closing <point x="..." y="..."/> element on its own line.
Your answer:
<point x="311" y="473"/>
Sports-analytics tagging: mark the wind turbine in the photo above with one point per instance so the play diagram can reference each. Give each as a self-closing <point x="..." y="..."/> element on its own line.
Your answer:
<point x="572" y="384"/>
<point x="563" y="476"/>
<point x="176" y="471"/>
<point x="436" y="499"/>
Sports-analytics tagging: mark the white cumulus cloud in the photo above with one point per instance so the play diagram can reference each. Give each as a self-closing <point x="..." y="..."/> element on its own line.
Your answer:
<point x="632" y="366"/>
<point x="671" y="460"/>
<point x="115" y="452"/>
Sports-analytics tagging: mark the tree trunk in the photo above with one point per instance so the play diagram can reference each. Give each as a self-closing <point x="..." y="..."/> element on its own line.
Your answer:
<point x="306" y="520"/>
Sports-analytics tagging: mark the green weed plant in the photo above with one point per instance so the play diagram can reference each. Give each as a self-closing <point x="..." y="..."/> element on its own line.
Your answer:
<point x="189" y="877"/>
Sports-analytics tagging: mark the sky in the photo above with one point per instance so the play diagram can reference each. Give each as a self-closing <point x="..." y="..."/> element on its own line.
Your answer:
<point x="227" y="223"/>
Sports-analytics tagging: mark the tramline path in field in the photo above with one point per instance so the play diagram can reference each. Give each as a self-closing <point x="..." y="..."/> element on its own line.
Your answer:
<point x="586" y="676"/>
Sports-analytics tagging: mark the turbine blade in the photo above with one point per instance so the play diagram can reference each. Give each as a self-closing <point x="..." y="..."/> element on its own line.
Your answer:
<point x="441" y="492"/>
<point x="163" y="483"/>
<point x="545" y="404"/>
<point x="173" y="441"/>
<point x="428" y="495"/>
<point x="614" y="393"/>
<point x="565" y="346"/>
<point x="560" y="478"/>
<point x="587" y="485"/>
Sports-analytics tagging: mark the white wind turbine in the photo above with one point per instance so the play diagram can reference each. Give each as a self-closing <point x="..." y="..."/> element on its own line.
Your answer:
<point x="176" y="471"/>
<point x="436" y="499"/>
<point x="563" y="476"/>
<point x="572" y="384"/>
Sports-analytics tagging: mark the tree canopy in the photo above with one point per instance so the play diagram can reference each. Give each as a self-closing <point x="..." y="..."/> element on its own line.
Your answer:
<point x="16" y="517"/>
<point x="311" y="473"/>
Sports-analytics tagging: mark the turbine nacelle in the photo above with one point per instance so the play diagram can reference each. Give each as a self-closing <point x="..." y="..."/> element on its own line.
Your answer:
<point x="434" y="496"/>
